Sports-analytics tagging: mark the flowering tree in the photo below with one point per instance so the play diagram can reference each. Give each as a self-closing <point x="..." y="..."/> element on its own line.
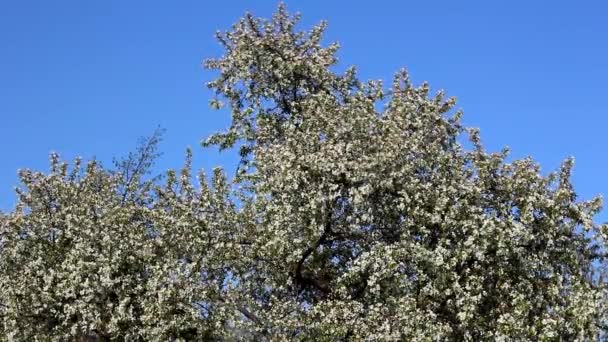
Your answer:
<point x="87" y="256"/>
<point x="356" y="214"/>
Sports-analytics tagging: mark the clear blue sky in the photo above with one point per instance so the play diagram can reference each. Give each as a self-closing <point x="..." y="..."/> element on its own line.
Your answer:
<point x="88" y="77"/>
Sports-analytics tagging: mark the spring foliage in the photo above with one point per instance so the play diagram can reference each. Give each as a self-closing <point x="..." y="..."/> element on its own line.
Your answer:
<point x="356" y="214"/>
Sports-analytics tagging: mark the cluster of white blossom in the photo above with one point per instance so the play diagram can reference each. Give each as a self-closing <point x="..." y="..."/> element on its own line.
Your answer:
<point x="356" y="214"/>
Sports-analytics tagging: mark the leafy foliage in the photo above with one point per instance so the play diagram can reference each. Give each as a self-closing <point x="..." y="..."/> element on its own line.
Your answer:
<point x="357" y="214"/>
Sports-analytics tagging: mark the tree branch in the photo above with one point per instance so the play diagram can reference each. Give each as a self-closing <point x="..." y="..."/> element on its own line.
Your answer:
<point x="299" y="277"/>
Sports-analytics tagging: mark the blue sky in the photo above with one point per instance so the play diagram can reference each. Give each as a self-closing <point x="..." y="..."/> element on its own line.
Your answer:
<point x="88" y="78"/>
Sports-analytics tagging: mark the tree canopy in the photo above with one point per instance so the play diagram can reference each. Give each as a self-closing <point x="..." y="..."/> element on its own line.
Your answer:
<point x="357" y="213"/>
